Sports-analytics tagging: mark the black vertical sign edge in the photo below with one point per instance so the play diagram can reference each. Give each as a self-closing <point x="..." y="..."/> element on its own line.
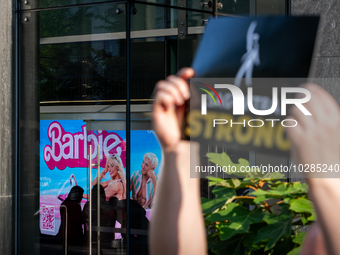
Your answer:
<point x="128" y="128"/>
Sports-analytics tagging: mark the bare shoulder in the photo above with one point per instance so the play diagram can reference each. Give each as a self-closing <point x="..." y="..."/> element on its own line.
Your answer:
<point x="116" y="185"/>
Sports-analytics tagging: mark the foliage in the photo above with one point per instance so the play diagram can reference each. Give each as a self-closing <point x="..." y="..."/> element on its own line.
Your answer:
<point x="272" y="225"/>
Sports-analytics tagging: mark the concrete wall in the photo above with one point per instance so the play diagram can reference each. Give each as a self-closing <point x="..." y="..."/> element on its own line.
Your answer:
<point x="325" y="68"/>
<point x="327" y="54"/>
<point x="6" y="129"/>
<point x="326" y="60"/>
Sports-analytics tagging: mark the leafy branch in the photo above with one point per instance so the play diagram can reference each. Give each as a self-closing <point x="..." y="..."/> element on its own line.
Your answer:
<point x="260" y="221"/>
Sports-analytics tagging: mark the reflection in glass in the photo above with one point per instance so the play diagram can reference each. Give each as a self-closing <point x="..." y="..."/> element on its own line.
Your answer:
<point x="82" y="20"/>
<point x="148" y="17"/>
<point x="81" y="59"/>
<point x="193" y="4"/>
<point x="77" y="66"/>
<point x="235" y="7"/>
<point x="83" y="71"/>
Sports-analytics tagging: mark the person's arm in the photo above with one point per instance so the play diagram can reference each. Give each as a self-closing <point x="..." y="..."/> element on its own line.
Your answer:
<point x="151" y="175"/>
<point x="177" y="225"/>
<point x="314" y="243"/>
<point x="316" y="140"/>
<point x="101" y="176"/>
<point x="154" y="183"/>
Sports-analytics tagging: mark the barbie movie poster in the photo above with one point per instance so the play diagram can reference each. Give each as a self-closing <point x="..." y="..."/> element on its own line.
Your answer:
<point x="64" y="150"/>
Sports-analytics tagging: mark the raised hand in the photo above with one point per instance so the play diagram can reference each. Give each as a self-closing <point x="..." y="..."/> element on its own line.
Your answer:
<point x="316" y="138"/>
<point x="168" y="111"/>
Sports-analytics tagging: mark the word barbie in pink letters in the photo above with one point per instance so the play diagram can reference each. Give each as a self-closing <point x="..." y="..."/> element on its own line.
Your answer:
<point x="71" y="150"/>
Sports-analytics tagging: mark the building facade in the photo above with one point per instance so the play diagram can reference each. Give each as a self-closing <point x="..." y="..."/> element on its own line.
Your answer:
<point x="81" y="73"/>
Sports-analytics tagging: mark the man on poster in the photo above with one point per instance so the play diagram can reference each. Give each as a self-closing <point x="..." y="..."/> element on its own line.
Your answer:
<point x="144" y="182"/>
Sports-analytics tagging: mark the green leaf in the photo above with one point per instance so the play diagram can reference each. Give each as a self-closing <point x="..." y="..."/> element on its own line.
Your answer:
<point x="274" y="218"/>
<point x="214" y="181"/>
<point x="229" y="229"/>
<point x="207" y="223"/>
<point x="278" y="226"/>
<point x="295" y="251"/>
<point x="215" y="245"/>
<point x="299" y="238"/>
<point x="235" y="182"/>
<point x="247" y="200"/>
<point x="287" y="200"/>
<point x="283" y="191"/>
<point x="221" y="191"/>
<point x="297" y="188"/>
<point x="249" y="240"/>
<point x="283" y="246"/>
<point x="304" y="220"/>
<point x="261" y="232"/>
<point x="224" y="214"/>
<point x="233" y="246"/>
<point x="222" y="159"/>
<point x="303" y="205"/>
<point x="210" y="205"/>
<point x="274" y="176"/>
<point x="276" y="184"/>
<point x="259" y="199"/>
<point x="239" y="218"/>
<point x="279" y="192"/>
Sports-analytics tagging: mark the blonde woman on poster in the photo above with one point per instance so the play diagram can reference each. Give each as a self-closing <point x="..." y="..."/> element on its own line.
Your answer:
<point x="116" y="186"/>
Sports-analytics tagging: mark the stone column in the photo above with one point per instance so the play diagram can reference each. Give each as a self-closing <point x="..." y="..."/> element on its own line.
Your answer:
<point x="327" y="51"/>
<point x="28" y="146"/>
<point x="7" y="128"/>
<point x="325" y="69"/>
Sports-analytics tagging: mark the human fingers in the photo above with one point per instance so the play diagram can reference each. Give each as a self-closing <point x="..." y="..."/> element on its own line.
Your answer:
<point x="186" y="73"/>
<point x="176" y="86"/>
<point x="325" y="107"/>
<point x="164" y="102"/>
<point x="315" y="139"/>
<point x="313" y="106"/>
<point x="317" y="105"/>
<point x="168" y="94"/>
<point x="303" y="121"/>
<point x="309" y="125"/>
<point x="180" y="85"/>
<point x="150" y="173"/>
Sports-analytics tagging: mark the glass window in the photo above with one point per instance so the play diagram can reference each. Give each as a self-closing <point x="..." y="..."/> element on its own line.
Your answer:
<point x="77" y="71"/>
<point x="74" y="63"/>
<point x="76" y="68"/>
<point x="45" y="4"/>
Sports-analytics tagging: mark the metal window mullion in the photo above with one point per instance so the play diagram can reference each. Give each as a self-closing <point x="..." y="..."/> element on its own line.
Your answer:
<point x="98" y="199"/>
<point x="16" y="125"/>
<point x="252" y="7"/>
<point x="90" y="200"/>
<point x="288" y="7"/>
<point x="182" y="19"/>
<point x="128" y="142"/>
